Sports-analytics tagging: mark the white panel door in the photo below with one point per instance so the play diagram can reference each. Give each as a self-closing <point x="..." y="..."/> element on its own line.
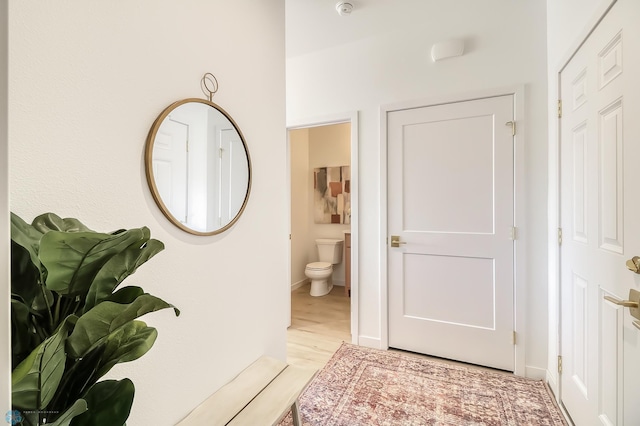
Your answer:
<point x="451" y="202"/>
<point x="233" y="175"/>
<point x="170" y="167"/>
<point x="600" y="219"/>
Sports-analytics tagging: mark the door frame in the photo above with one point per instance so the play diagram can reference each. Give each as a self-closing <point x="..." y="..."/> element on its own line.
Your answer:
<point x="5" y="233"/>
<point x="346" y="117"/>
<point x="554" y="292"/>
<point x="520" y="286"/>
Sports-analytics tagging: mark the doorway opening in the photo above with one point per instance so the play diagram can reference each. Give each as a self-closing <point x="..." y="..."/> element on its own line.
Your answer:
<point x="323" y="191"/>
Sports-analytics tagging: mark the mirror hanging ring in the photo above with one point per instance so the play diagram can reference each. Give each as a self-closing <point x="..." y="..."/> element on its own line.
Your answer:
<point x="197" y="164"/>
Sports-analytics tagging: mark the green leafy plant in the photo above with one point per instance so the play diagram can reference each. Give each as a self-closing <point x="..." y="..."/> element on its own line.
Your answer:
<point x="71" y="322"/>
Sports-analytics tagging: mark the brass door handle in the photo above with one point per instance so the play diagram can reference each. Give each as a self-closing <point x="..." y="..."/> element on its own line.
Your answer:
<point x="633" y="264"/>
<point x="395" y="241"/>
<point x="625" y="303"/>
<point x="632" y="304"/>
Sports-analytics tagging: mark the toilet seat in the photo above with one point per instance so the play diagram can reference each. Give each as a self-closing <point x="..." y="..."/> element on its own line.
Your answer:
<point x="319" y="266"/>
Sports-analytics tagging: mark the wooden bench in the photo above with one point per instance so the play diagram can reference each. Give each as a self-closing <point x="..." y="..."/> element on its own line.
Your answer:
<point x="262" y="394"/>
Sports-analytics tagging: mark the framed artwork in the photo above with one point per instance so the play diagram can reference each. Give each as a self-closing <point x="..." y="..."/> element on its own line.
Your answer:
<point x="332" y="194"/>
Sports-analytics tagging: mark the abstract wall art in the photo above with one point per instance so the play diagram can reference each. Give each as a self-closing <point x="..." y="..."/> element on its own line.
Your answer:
<point x="332" y="194"/>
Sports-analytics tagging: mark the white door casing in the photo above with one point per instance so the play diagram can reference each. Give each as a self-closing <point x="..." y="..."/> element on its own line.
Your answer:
<point x="600" y="222"/>
<point x="450" y="195"/>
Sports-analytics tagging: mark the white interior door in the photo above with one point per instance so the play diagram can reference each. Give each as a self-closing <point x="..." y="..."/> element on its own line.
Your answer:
<point x="170" y="167"/>
<point x="600" y="219"/>
<point x="451" y="203"/>
<point x="234" y="175"/>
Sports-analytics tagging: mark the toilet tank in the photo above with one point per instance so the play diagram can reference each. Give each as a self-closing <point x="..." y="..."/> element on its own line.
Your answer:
<point x="330" y="250"/>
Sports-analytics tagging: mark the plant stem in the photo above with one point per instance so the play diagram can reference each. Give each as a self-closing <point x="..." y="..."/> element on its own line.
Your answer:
<point x="57" y="312"/>
<point x="44" y="295"/>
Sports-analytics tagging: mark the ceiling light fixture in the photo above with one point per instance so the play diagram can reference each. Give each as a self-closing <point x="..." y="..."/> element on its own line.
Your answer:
<point x="344" y="8"/>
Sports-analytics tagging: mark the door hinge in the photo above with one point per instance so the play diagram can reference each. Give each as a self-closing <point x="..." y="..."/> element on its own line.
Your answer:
<point x="221" y="150"/>
<point x="559" y="236"/>
<point x="514" y="233"/>
<point x="514" y="337"/>
<point x="559" y="363"/>
<point x="513" y="127"/>
<point x="559" y="108"/>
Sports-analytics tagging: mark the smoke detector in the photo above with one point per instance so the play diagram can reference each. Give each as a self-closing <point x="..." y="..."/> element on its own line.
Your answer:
<point x="344" y="8"/>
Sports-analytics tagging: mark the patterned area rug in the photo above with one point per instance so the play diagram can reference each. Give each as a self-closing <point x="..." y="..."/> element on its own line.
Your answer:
<point x="362" y="386"/>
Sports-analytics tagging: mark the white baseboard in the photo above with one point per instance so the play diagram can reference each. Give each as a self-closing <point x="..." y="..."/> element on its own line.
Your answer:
<point x="535" y="373"/>
<point x="552" y="382"/>
<point x="370" y="342"/>
<point x="338" y="283"/>
<point x="299" y="284"/>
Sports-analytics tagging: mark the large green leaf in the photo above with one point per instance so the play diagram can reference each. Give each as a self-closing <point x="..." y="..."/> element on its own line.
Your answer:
<point x="118" y="268"/>
<point x="52" y="222"/>
<point x="109" y="404"/>
<point x="26" y="236"/>
<point x="23" y="339"/>
<point x="79" y="407"/>
<point x="35" y="380"/>
<point x="25" y="277"/>
<point x="73" y="259"/>
<point x="106" y="318"/>
<point x="127" y="343"/>
<point x="126" y="295"/>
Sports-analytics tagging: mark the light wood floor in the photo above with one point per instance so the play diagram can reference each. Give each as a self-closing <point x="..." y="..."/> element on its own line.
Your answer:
<point x="319" y="325"/>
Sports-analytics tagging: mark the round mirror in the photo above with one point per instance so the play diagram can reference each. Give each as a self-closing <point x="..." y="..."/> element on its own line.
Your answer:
<point x="198" y="167"/>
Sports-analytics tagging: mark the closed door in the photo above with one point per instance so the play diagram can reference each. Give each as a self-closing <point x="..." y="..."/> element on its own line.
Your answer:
<point x="451" y="205"/>
<point x="600" y="220"/>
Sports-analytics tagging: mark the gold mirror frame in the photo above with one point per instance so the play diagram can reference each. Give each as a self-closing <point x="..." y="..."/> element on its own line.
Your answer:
<point x="148" y="160"/>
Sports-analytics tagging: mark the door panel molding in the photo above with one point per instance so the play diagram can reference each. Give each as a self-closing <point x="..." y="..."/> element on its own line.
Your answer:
<point x="520" y="285"/>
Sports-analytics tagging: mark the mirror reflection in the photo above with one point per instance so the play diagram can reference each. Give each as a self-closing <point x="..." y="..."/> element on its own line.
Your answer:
<point x="198" y="166"/>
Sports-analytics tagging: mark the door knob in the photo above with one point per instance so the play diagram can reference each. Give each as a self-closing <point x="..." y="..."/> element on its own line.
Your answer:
<point x="395" y="241"/>
<point x="632" y="303"/>
<point x="633" y="264"/>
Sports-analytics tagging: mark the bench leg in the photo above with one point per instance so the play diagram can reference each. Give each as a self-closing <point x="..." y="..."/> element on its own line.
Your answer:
<point x="295" y="414"/>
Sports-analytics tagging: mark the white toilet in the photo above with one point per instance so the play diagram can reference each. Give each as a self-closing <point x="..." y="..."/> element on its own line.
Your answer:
<point x="330" y="253"/>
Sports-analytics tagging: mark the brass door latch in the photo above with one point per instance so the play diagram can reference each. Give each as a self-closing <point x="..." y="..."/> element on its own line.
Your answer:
<point x="395" y="241"/>
<point x="633" y="303"/>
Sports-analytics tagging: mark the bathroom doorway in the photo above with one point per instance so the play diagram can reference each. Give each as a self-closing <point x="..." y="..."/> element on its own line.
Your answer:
<point x="316" y="147"/>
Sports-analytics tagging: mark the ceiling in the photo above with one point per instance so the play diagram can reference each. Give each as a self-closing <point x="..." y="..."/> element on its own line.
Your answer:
<point x="313" y="25"/>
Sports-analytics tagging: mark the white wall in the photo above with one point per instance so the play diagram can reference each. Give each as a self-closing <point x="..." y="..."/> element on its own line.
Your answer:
<point x="567" y="24"/>
<point x="5" y="288"/>
<point x="321" y="146"/>
<point x="300" y="212"/>
<point x="506" y="45"/>
<point x="87" y="81"/>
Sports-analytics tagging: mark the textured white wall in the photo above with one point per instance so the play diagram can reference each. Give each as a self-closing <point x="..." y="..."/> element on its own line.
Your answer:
<point x="505" y="45"/>
<point x="88" y="79"/>
<point x="5" y="287"/>
<point x="567" y="23"/>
